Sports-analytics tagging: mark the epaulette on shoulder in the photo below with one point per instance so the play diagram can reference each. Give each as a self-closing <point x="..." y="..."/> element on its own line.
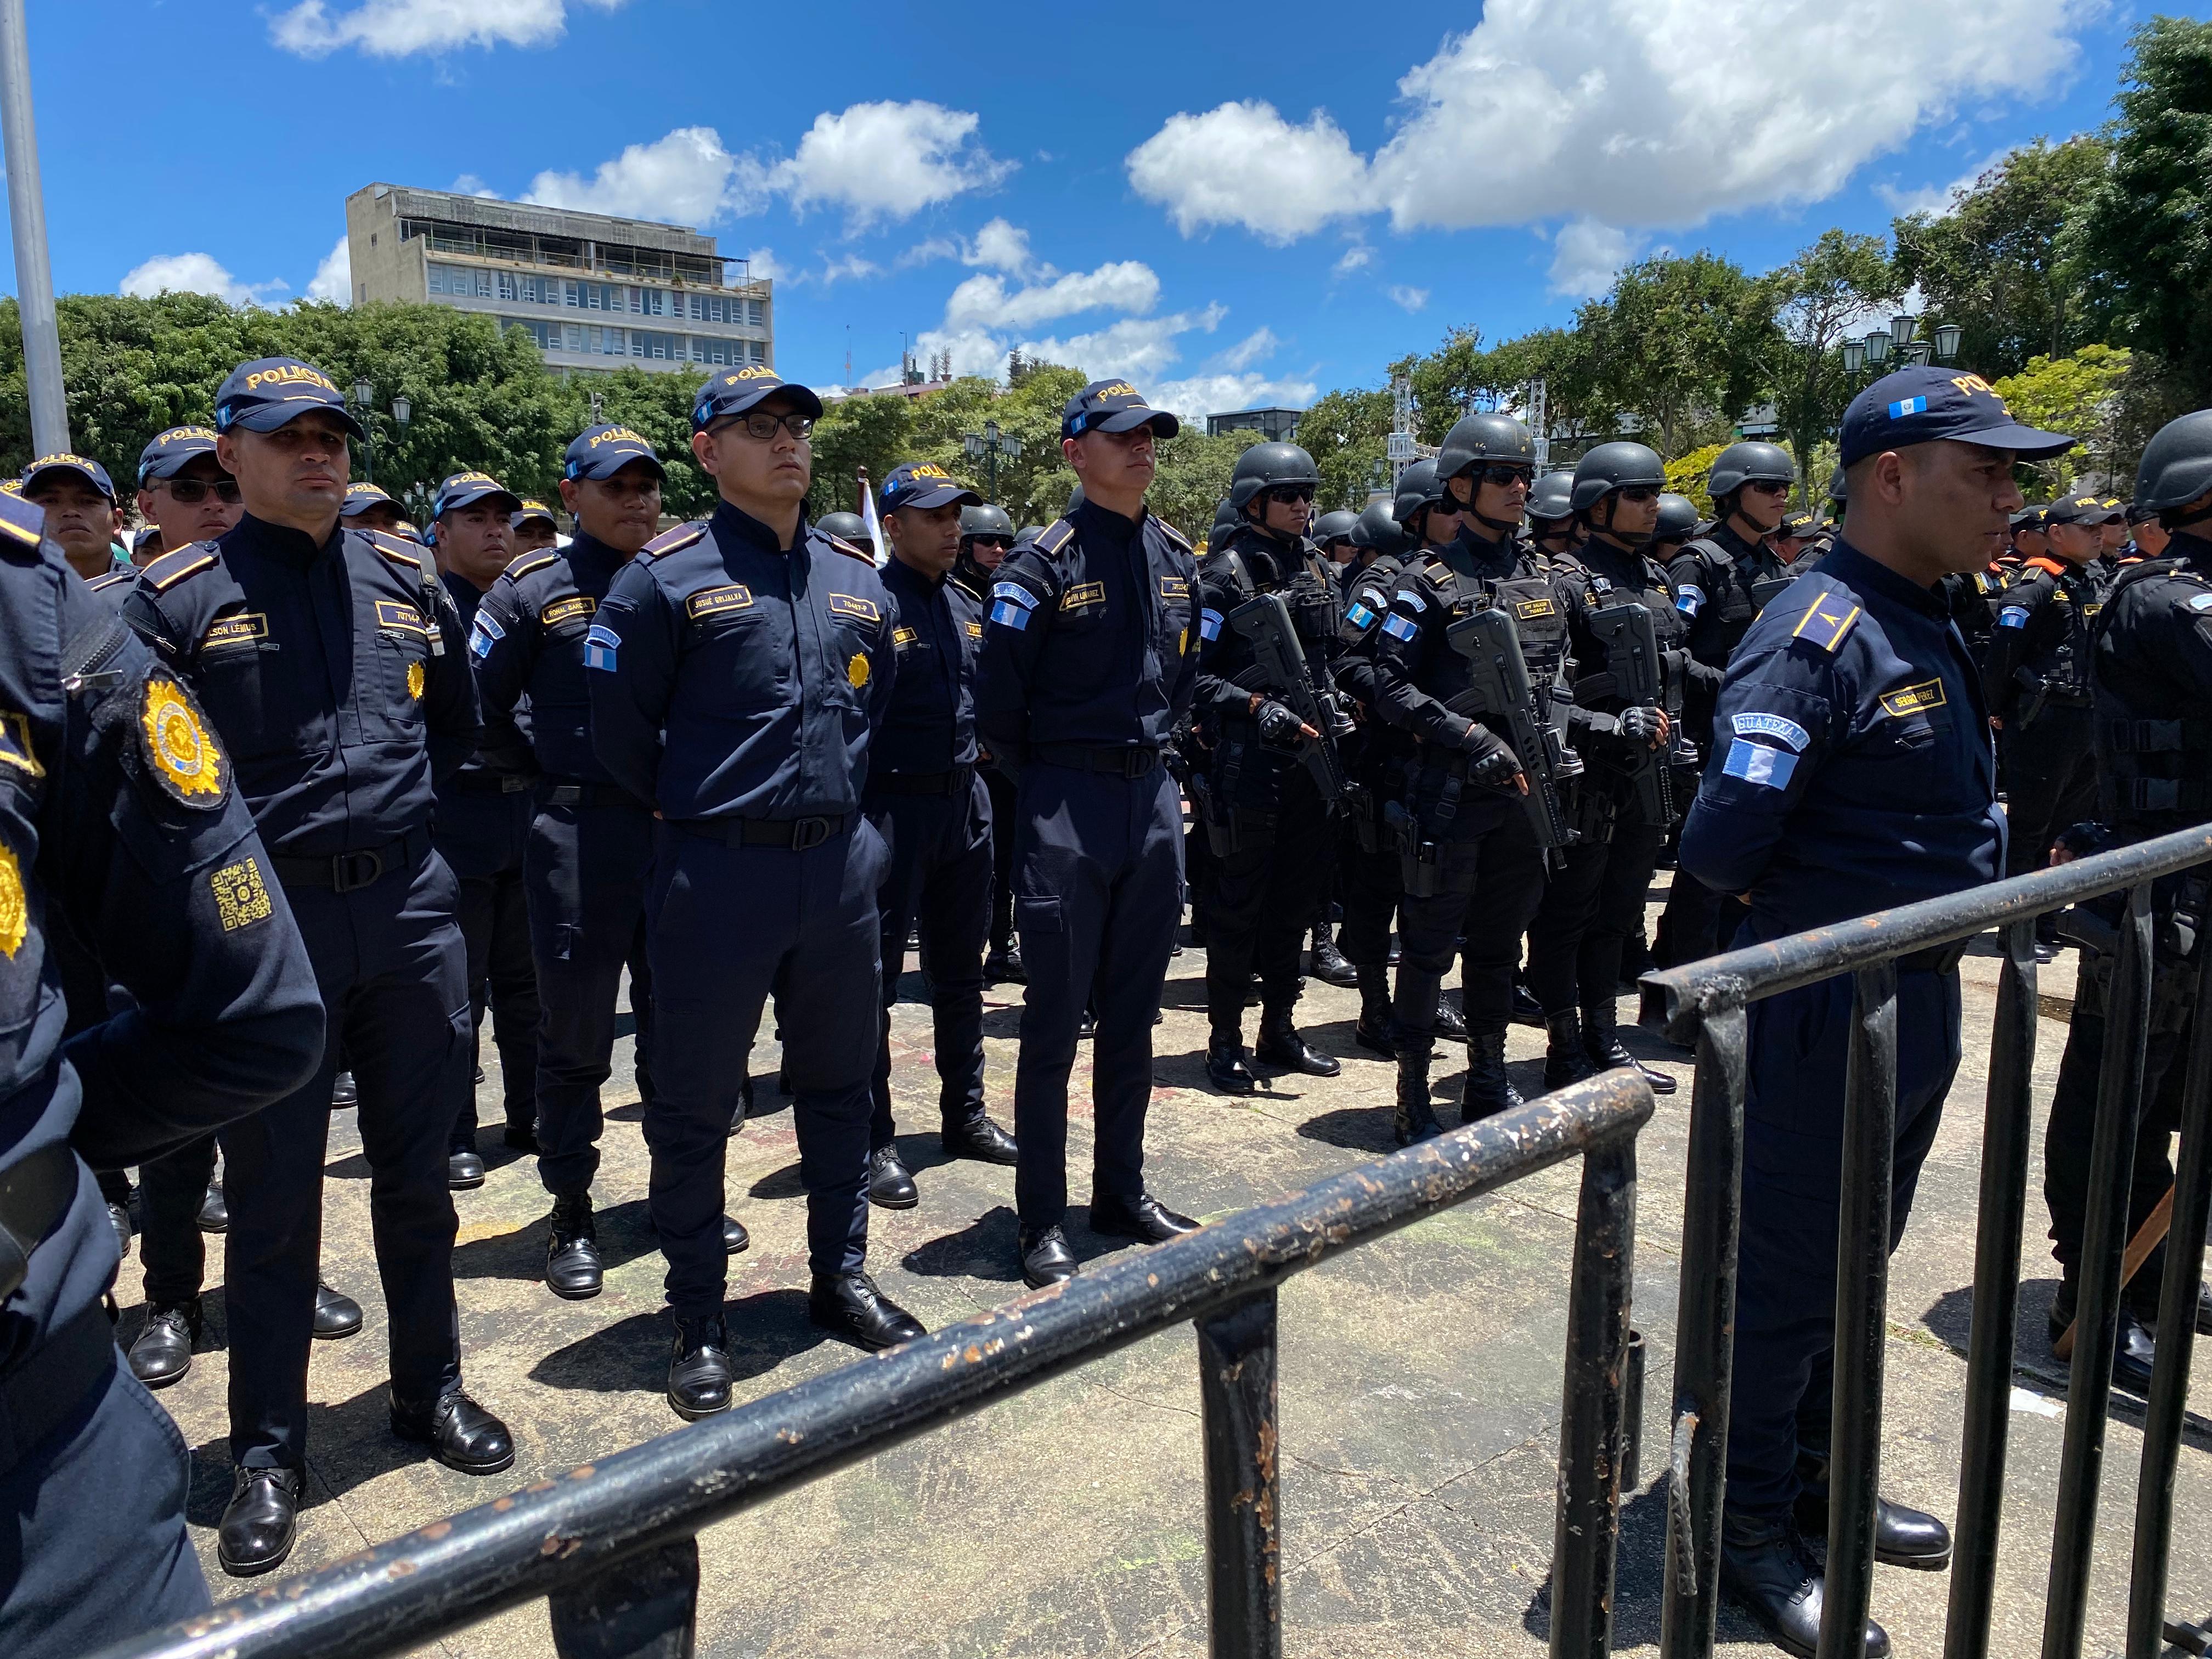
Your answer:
<point x="530" y="561"/>
<point x="848" y="549"/>
<point x="1826" y="614"/>
<point x="115" y="578"/>
<point x="399" y="549"/>
<point x="1172" y="533"/>
<point x="672" y="541"/>
<point x="1054" y="537"/>
<point x="165" y="572"/>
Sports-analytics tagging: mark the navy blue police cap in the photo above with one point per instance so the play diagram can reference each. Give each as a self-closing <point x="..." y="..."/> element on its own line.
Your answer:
<point x="359" y="496"/>
<point x="2029" y="520"/>
<point x="272" y="391"/>
<point x="1113" y="406"/>
<point x="735" y="391"/>
<point x="2081" y="509"/>
<point x="1923" y="405"/>
<point x="467" y="489"/>
<point x="916" y="483"/>
<point x="170" y="451"/>
<point x="85" y="468"/>
<point x="600" y="452"/>
<point x="531" y="508"/>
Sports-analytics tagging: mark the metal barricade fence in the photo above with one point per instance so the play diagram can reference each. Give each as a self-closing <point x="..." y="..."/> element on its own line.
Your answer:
<point x="1705" y="1004"/>
<point x="613" y="1544"/>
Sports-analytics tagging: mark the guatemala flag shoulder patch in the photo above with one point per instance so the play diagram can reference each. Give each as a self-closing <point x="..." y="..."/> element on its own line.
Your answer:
<point x="1755" y="762"/>
<point x="600" y="644"/>
<point x="1400" y="627"/>
<point x="482" y="634"/>
<point x="1209" y="624"/>
<point x="1690" y="599"/>
<point x="1360" y="616"/>
<point x="1009" y="614"/>
<point x="1782" y="730"/>
<point x="2013" y="615"/>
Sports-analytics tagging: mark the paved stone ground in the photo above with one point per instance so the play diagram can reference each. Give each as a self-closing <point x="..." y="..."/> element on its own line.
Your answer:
<point x="1420" y="1383"/>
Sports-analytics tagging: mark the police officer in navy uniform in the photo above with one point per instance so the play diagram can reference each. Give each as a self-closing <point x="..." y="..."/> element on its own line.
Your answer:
<point x="986" y="536"/>
<point x="369" y="507"/>
<point x="1090" y="658"/>
<point x="330" y="663"/>
<point x="1473" y="868"/>
<point x="739" y="670"/>
<point x="1852" y="772"/>
<point x="534" y="526"/>
<point x="590" y="840"/>
<point x="482" y="827"/>
<point x="2150" y="675"/>
<point x="1270" y="829"/>
<point x="83" y="517"/>
<point x="120" y="818"/>
<point x="930" y="805"/>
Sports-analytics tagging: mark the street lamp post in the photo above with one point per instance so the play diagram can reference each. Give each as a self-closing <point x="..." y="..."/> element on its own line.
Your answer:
<point x="362" y="393"/>
<point x="987" y="447"/>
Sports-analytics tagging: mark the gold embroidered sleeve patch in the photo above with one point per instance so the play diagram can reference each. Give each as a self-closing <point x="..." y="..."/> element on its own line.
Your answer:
<point x="181" y="752"/>
<point x="241" y="896"/>
<point x="15" y="907"/>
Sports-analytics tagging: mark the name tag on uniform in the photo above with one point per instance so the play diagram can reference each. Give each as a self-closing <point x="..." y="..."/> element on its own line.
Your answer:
<point x="397" y="614"/>
<point x="974" y="630"/>
<point x="1174" y="587"/>
<point x="903" y="636"/>
<point x="1535" y="608"/>
<point x="561" y="610"/>
<point x="1913" y="699"/>
<point x="1083" y="596"/>
<point x="845" y="605"/>
<point x="249" y="628"/>
<point x="712" y="601"/>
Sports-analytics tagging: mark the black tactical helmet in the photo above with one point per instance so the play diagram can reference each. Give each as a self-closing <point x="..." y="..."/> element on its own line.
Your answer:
<point x="1027" y="533"/>
<point x="1074" y="500"/>
<point x="1616" y="466"/>
<point x="1378" y="530"/>
<point x="2177" y="464"/>
<point x="847" y="526"/>
<point x="1334" y="526"/>
<point x="1225" y="520"/>
<point x="1419" y="486"/>
<point x="1839" y="492"/>
<point x="1748" y="463"/>
<point x="1475" y="439"/>
<point x="1266" y="466"/>
<point x="1552" y="496"/>
<point x="1678" y="518"/>
<point x="985" y="520"/>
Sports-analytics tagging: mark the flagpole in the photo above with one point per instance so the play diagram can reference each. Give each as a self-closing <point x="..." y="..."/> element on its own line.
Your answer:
<point x="27" y="214"/>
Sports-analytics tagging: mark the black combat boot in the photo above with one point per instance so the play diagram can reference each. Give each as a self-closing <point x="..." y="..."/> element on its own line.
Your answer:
<point x="573" y="1270"/>
<point x="1327" y="963"/>
<point x="1282" y="1046"/>
<point x="1415" y="1119"/>
<point x="1489" y="1090"/>
<point x="1224" y="1062"/>
<point x="1564" y="1059"/>
<point x="1373" y="1031"/>
<point x="1766" y="1566"/>
<point x="1602" y="1042"/>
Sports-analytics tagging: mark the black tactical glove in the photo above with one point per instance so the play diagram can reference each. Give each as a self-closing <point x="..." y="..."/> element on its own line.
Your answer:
<point x="1490" y="761"/>
<point x="1279" y="726"/>
<point x="1642" y="726"/>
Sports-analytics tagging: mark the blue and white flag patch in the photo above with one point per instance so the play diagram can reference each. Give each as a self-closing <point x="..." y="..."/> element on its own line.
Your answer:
<point x="1007" y="614"/>
<point x="2013" y="615"/>
<point x="1359" y="616"/>
<point x="1906" y="406"/>
<point x="1400" y="627"/>
<point x="2202" y="602"/>
<point x="1209" y="624"/>
<point x="1690" y="599"/>
<point x="600" y="644"/>
<point x="1784" y="731"/>
<point x="1757" y="763"/>
<point x="1015" y="592"/>
<point x="483" y="633"/>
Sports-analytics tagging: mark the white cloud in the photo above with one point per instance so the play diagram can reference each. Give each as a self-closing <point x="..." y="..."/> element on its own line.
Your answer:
<point x="397" y="28"/>
<point x="688" y="177"/>
<point x="888" y="160"/>
<point x="1407" y="299"/>
<point x="763" y="266"/>
<point x="1586" y="254"/>
<point x="1630" y="112"/>
<point x="1259" y="344"/>
<point x="193" y="273"/>
<point x="848" y="269"/>
<point x="470" y="184"/>
<point x="927" y="254"/>
<point x="1202" y="395"/>
<point x="333" y="278"/>
<point x="986" y="302"/>
<point x="1001" y="246"/>
<point x="1243" y="164"/>
<point x="1358" y="257"/>
<point x="1141" y="347"/>
<point x="1937" y="198"/>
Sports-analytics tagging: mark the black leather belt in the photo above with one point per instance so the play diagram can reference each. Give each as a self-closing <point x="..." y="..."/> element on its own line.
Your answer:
<point x="348" y="873"/>
<point x="954" y="782"/>
<point x="489" y="783"/>
<point x="35" y="1193"/>
<point x="1121" y="759"/>
<point x="39" y="1396"/>
<point x="592" y="794"/>
<point x="800" y="835"/>
<point x="1935" y="959"/>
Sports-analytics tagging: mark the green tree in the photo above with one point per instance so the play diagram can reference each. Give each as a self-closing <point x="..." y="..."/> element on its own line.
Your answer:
<point x="2146" y="231"/>
<point x="1345" y="432"/>
<point x="876" y="433"/>
<point x="2081" y="396"/>
<point x="2003" y="261"/>
<point x="1193" y="475"/>
<point x="1825" y="293"/>
<point x="1686" y="474"/>
<point x="1677" y="345"/>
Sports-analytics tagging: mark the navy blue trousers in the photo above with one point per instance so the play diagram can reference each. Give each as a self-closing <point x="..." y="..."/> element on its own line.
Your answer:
<point x="389" y="960"/>
<point x="481" y="836"/>
<point x="726" y="927"/>
<point x="1785" y="1308"/>
<point x="939" y="875"/>
<point x="1097" y="897"/>
<point x="585" y="873"/>
<point x="171" y="1247"/>
<point x="93" y="1547"/>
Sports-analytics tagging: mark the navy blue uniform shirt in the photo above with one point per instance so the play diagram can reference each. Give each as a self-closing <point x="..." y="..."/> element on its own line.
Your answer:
<point x="937" y="628"/>
<point x="467" y="599"/>
<point x="317" y="666"/>
<point x="730" y="678"/>
<point x="527" y="644"/>
<point x="1852" y="768"/>
<point x="1111" y="598"/>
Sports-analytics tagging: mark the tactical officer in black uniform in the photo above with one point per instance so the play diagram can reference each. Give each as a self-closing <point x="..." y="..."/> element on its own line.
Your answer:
<point x="1271" y="829"/>
<point x="924" y="798"/>
<point x="1554" y="527"/>
<point x="851" y="529"/>
<point x="2151" y="680"/>
<point x="482" y="830"/>
<point x="1471" y="863"/>
<point x="330" y="663"/>
<point x="740" y="669"/>
<point x="1622" y="804"/>
<point x="1089" y="659"/>
<point x="986" y="536"/>
<point x="121" y="820"/>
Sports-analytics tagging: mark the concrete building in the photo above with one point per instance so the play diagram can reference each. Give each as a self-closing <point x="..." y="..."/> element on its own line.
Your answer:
<point x="1278" y="425"/>
<point x="594" y="292"/>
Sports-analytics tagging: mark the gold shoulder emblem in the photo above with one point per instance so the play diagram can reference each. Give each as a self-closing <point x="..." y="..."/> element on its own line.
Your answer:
<point x="179" y="748"/>
<point x="15" y="907"/>
<point x="857" y="670"/>
<point x="416" y="678"/>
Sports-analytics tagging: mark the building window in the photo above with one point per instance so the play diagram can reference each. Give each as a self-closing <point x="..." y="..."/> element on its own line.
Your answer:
<point x="756" y="314"/>
<point x="645" y="344"/>
<point x="547" y="334"/>
<point x="461" y="282"/>
<point x="649" y="302"/>
<point x="759" y="351"/>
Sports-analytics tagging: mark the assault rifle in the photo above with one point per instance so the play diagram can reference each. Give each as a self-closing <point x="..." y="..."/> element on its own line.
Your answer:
<point x="1640" y="673"/>
<point x="1500" y="688"/>
<point x="1265" y="622"/>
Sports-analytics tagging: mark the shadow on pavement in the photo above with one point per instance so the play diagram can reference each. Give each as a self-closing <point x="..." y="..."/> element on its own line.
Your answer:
<point x="625" y="1232"/>
<point x="1640" y="1582"/>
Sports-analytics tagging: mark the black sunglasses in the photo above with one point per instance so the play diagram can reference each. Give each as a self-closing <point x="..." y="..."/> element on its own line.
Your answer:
<point x="1639" y="493"/>
<point x="1286" y="494"/>
<point x="189" y="492"/>
<point x="1001" y="542"/>
<point x="1504" y="472"/>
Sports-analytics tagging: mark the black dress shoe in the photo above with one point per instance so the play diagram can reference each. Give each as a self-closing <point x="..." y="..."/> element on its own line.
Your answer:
<point x="1087" y="1026"/>
<point x="573" y="1269"/>
<point x="890" y="1184"/>
<point x="1283" y="1046"/>
<point x="259" y="1522"/>
<point x="162" y="1351"/>
<point x="520" y="1135"/>
<point x="1327" y="964"/>
<point x="2134" y="1348"/>
<point x="1902" y="1537"/>
<point x="1602" y="1042"/>
<point x="849" y="1305"/>
<point x="1450" y="1021"/>
<point x="336" y="1315"/>
<point x="465" y="1169"/>
<point x="119" y="1218"/>
<point x="1225" y="1068"/>
<point x="1765" y="1566"/>
<point x="1526" y="1011"/>
<point x="345" y="1092"/>
<point x="460" y="1434"/>
<point x="699" y="1374"/>
<point x="2145" y="1303"/>
<point x="1003" y="966"/>
<point x="1144" y="1217"/>
<point x="215" y="1210"/>
<point x="735" y="1239"/>
<point x="1046" y="1259"/>
<point x="979" y="1138"/>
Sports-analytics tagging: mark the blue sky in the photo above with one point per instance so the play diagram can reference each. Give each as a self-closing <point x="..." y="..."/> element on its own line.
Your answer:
<point x="1231" y="204"/>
